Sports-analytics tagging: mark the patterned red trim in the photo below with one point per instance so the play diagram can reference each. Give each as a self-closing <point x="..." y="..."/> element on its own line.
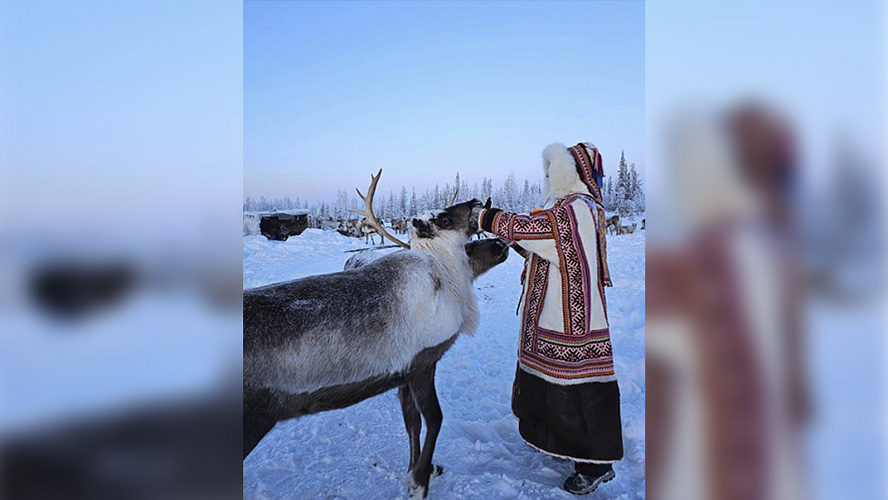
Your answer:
<point x="600" y="350"/>
<point x="574" y="273"/>
<point x="585" y="275"/>
<point x="590" y="336"/>
<point x="568" y="371"/>
<point x="523" y="227"/>
<point x="533" y="305"/>
<point x="601" y="362"/>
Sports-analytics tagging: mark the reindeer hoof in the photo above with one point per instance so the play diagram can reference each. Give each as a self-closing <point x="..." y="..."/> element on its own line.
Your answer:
<point x="416" y="491"/>
<point x="415" y="480"/>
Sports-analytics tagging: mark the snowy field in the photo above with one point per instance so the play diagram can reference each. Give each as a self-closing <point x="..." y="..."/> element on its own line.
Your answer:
<point x="361" y="452"/>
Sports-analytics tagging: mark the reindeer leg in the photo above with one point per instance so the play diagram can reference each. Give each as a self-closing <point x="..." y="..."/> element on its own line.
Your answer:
<point x="255" y="428"/>
<point x="413" y="422"/>
<point x="259" y="417"/>
<point x="422" y="385"/>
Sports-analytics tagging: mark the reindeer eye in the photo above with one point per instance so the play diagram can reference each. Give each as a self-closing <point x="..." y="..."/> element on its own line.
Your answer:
<point x="444" y="221"/>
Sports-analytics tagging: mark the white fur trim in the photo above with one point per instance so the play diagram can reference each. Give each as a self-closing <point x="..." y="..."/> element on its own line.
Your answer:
<point x="581" y="460"/>
<point x="561" y="381"/>
<point x="562" y="178"/>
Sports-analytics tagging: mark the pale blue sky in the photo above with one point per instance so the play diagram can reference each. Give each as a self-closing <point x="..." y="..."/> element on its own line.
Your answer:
<point x="335" y="90"/>
<point x="109" y="107"/>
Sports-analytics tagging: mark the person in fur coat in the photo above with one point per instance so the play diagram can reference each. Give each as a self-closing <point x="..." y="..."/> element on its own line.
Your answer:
<point x="565" y="393"/>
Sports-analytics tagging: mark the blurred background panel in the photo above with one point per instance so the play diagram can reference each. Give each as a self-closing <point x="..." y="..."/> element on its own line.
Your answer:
<point x="120" y="189"/>
<point x="766" y="258"/>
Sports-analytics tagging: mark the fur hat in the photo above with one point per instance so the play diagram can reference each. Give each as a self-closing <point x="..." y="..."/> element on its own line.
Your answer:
<point x="572" y="170"/>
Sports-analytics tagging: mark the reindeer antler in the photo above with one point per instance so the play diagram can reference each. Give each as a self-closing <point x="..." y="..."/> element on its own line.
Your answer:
<point x="368" y="210"/>
<point x="455" y="192"/>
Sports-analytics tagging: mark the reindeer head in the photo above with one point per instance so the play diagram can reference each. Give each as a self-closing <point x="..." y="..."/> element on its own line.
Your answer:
<point x="457" y="220"/>
<point x="486" y="254"/>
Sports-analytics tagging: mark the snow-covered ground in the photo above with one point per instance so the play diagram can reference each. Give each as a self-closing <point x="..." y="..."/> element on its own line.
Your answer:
<point x="361" y="452"/>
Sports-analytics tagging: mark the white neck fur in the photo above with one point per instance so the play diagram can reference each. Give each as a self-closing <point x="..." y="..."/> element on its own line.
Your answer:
<point x="448" y="253"/>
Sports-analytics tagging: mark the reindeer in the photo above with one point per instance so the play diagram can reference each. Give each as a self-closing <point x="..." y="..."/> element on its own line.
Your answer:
<point x="369" y="230"/>
<point x="357" y="228"/>
<point x="613" y="223"/>
<point x="399" y="225"/>
<point x="264" y="408"/>
<point x="348" y="227"/>
<point x="329" y="341"/>
<point x="328" y="224"/>
<point x="628" y="229"/>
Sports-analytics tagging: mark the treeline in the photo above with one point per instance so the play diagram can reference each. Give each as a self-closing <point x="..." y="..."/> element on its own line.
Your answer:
<point x="625" y="196"/>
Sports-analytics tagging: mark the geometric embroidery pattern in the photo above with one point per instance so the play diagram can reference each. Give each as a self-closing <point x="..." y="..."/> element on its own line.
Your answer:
<point x="523" y="227"/>
<point x="533" y="303"/>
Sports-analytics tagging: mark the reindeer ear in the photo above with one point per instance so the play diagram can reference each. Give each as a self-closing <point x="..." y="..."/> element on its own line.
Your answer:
<point x="475" y="202"/>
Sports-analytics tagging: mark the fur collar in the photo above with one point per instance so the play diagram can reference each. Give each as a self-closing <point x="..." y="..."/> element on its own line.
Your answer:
<point x="562" y="178"/>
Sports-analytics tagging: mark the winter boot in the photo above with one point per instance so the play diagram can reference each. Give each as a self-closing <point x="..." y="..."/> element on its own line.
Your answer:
<point x="587" y="477"/>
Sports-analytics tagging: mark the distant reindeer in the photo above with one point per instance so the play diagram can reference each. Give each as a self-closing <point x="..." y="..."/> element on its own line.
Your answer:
<point x="369" y="230"/>
<point x="642" y="224"/>
<point x="628" y="229"/>
<point x="613" y="224"/>
<point x="349" y="227"/>
<point x="329" y="223"/>
<point x="399" y="225"/>
<point x="357" y="228"/>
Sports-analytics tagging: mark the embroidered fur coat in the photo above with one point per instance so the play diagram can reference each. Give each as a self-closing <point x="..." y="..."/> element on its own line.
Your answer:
<point x="564" y="336"/>
<point x="565" y="394"/>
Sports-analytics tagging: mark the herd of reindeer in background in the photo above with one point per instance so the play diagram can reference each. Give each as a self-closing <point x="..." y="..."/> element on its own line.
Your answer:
<point x="614" y="226"/>
<point x="367" y="229"/>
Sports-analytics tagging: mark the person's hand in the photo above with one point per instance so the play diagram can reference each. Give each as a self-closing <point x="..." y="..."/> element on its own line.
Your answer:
<point x="487" y="204"/>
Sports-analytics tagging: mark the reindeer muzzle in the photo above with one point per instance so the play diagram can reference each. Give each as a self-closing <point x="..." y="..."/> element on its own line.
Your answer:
<point x="423" y="228"/>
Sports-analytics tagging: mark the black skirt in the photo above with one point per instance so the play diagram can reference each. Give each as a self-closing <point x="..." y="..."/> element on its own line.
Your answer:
<point x="580" y="422"/>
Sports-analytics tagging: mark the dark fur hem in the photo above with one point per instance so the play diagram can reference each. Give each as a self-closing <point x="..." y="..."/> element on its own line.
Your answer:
<point x="581" y="422"/>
